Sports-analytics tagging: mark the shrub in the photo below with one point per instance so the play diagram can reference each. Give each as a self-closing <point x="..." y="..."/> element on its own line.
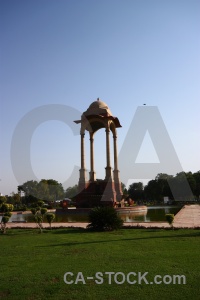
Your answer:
<point x="39" y="214"/>
<point x="4" y="221"/>
<point x="43" y="211"/>
<point x="50" y="218"/>
<point x="39" y="220"/>
<point x="104" y="219"/>
<point x="170" y="219"/>
<point x="8" y="214"/>
<point x="7" y="208"/>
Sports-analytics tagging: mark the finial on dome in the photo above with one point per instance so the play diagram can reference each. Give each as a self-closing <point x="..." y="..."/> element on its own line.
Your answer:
<point x="98" y="99"/>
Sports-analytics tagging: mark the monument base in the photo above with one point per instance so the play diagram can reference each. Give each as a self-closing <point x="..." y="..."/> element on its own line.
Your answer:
<point x="97" y="193"/>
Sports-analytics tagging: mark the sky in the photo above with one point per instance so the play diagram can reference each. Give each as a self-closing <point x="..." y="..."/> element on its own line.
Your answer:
<point x="61" y="55"/>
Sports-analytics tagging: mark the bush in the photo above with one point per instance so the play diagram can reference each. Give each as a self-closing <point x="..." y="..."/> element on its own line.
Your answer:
<point x="39" y="215"/>
<point x="39" y="220"/>
<point x="50" y="217"/>
<point x="4" y="221"/>
<point x="8" y="214"/>
<point x="170" y="219"/>
<point x="104" y="219"/>
<point x="43" y="211"/>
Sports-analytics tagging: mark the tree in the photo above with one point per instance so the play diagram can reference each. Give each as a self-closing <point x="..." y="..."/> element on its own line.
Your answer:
<point x="43" y="190"/>
<point x="124" y="190"/>
<point x="136" y="191"/>
<point x="3" y="199"/>
<point x="55" y="189"/>
<point x="14" y="199"/>
<point x="180" y="187"/>
<point x="5" y="207"/>
<point x="46" y="189"/>
<point x="163" y="176"/>
<point x="158" y="188"/>
<point x="30" y="188"/>
<point x="71" y="191"/>
<point x="196" y="177"/>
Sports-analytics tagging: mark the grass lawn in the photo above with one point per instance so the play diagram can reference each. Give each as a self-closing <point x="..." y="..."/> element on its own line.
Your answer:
<point x="33" y="265"/>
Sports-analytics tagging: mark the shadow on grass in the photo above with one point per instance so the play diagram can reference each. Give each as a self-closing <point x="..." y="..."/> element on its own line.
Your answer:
<point x="27" y="231"/>
<point x="68" y="230"/>
<point x="176" y="236"/>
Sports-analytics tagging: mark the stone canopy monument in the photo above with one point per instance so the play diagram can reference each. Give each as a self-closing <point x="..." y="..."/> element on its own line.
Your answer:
<point x="94" y="192"/>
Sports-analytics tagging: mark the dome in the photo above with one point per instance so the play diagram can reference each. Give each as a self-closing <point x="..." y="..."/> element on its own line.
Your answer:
<point x="98" y="107"/>
<point x="98" y="104"/>
<point x="98" y="113"/>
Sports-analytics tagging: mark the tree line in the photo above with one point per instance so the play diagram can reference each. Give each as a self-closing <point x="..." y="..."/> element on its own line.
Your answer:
<point x="159" y="187"/>
<point x="32" y="191"/>
<point x="50" y="190"/>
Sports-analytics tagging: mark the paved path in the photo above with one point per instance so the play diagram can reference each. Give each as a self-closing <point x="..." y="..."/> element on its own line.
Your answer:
<point x="187" y="217"/>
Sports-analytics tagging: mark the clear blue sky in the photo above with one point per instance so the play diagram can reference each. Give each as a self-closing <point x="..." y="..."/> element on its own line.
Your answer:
<point x="71" y="52"/>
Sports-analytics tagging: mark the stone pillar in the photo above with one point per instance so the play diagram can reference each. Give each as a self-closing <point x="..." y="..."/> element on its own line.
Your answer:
<point x="115" y="152"/>
<point x="92" y="173"/>
<point x="82" y="151"/>
<point x="116" y="171"/>
<point x="82" y="178"/>
<point x="108" y="167"/>
<point x="117" y="182"/>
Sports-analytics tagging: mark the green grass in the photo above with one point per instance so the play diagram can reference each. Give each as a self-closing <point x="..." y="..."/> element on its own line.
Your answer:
<point x="32" y="265"/>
